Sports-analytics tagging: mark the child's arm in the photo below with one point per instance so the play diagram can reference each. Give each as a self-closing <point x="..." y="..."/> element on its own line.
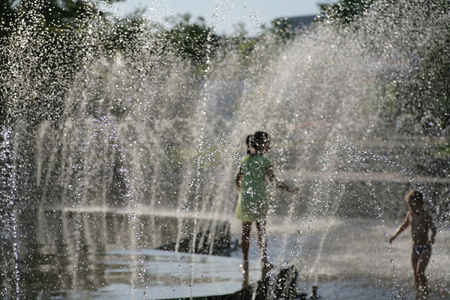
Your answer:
<point x="238" y="179"/>
<point x="279" y="184"/>
<point x="401" y="228"/>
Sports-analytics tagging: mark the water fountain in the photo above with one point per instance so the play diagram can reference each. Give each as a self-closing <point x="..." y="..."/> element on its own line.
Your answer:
<point x="143" y="154"/>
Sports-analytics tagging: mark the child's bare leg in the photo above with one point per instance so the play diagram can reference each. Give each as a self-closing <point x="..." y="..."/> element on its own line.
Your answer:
<point x="424" y="258"/>
<point x="245" y="243"/>
<point x="415" y="262"/>
<point x="262" y="241"/>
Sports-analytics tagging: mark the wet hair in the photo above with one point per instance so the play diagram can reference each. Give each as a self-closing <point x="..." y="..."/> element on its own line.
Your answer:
<point x="414" y="197"/>
<point x="259" y="140"/>
<point x="248" y="141"/>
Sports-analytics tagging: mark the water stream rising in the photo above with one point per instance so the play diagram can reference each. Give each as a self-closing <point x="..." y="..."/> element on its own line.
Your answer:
<point x="138" y="148"/>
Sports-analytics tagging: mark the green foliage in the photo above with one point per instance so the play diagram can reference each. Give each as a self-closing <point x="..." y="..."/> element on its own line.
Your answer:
<point x="282" y="28"/>
<point x="433" y="73"/>
<point x="7" y="16"/>
<point x="124" y="33"/>
<point x="193" y="41"/>
<point x="443" y="150"/>
<point x="423" y="40"/>
<point x="427" y="93"/>
<point x="42" y="52"/>
<point x="56" y="14"/>
<point x="346" y="11"/>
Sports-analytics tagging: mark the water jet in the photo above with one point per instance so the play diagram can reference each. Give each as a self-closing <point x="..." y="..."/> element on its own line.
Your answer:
<point x="128" y="151"/>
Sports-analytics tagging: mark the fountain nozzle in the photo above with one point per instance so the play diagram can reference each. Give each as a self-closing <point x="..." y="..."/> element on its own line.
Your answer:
<point x="314" y="295"/>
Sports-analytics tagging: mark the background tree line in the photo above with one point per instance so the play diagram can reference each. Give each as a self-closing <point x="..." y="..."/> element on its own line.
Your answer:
<point x="59" y="25"/>
<point x="46" y="44"/>
<point x="427" y="96"/>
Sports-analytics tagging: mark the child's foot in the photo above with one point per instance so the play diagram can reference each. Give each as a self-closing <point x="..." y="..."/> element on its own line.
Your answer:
<point x="244" y="267"/>
<point x="268" y="266"/>
<point x="422" y="290"/>
<point x="245" y="282"/>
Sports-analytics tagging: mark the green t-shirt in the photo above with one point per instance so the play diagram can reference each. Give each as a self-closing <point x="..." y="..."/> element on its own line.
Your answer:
<point x="253" y="202"/>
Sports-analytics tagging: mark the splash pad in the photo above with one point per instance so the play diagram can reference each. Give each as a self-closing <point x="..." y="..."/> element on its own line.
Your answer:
<point x="138" y="137"/>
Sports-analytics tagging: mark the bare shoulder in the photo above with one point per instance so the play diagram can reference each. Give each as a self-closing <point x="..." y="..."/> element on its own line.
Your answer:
<point x="408" y="218"/>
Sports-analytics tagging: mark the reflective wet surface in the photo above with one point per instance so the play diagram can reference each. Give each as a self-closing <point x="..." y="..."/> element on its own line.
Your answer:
<point x="95" y="259"/>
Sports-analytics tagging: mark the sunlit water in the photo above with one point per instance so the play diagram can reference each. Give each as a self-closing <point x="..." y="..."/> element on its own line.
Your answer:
<point x="139" y="137"/>
<point x="356" y="263"/>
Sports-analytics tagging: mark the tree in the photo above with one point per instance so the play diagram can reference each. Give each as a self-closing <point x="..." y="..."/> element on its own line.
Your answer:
<point x="346" y="11"/>
<point x="57" y="14"/>
<point x="422" y="37"/>
<point x="282" y="28"/>
<point x="195" y="41"/>
<point x="40" y="41"/>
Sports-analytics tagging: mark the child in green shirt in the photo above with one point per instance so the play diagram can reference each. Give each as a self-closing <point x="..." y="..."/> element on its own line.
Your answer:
<point x="253" y="202"/>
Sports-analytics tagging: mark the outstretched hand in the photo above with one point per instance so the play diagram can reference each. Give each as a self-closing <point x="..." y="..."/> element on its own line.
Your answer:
<point x="294" y="190"/>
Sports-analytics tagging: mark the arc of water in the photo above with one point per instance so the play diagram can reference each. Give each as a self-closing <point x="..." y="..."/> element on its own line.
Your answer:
<point x="128" y="154"/>
<point x="352" y="149"/>
<point x="285" y="238"/>
<point x="107" y="182"/>
<point x="316" y="265"/>
<point x="8" y="149"/>
<point x="196" y="183"/>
